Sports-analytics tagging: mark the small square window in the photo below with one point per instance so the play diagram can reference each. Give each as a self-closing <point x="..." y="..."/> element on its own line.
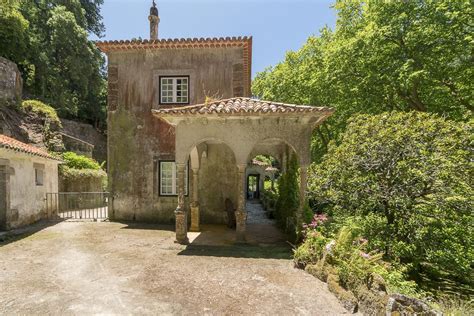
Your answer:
<point x="174" y="90"/>
<point x="39" y="177"/>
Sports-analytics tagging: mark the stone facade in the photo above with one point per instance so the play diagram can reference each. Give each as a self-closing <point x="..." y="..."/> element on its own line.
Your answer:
<point x="138" y="140"/>
<point x="213" y="133"/>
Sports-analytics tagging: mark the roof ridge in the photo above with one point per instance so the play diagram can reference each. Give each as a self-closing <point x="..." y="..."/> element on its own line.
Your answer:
<point x="243" y="105"/>
<point x="178" y="40"/>
<point x="16" y="145"/>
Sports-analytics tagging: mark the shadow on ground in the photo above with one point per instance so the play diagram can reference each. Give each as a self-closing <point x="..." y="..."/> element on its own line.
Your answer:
<point x="238" y="251"/>
<point x="10" y="236"/>
<point x="263" y="241"/>
<point x="145" y="226"/>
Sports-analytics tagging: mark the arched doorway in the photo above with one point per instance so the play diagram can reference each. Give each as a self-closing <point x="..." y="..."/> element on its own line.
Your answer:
<point x="214" y="183"/>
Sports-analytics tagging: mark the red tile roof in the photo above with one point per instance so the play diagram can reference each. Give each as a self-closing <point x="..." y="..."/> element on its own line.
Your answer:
<point x="242" y="106"/>
<point x="16" y="145"/>
<point x="108" y="46"/>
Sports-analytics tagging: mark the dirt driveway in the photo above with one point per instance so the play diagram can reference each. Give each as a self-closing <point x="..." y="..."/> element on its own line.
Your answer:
<point x="114" y="268"/>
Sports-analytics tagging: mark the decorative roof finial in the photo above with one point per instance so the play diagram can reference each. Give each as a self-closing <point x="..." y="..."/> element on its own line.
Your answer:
<point x="154" y="21"/>
<point x="154" y="9"/>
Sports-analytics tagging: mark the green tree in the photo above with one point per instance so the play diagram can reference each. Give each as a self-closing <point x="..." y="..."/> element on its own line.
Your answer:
<point x="382" y="56"/>
<point x="13" y="36"/>
<point x="407" y="179"/>
<point x="59" y="64"/>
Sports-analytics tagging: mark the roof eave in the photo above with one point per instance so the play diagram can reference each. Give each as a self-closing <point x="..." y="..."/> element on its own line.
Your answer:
<point x="174" y="119"/>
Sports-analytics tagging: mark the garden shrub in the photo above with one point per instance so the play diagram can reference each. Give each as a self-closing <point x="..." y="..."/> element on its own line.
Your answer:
<point x="41" y="109"/>
<point x="81" y="169"/>
<point x="75" y="161"/>
<point x="348" y="253"/>
<point x="407" y="179"/>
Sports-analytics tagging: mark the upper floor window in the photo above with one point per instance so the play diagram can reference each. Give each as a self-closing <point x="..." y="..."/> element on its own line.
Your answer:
<point x="174" y="90"/>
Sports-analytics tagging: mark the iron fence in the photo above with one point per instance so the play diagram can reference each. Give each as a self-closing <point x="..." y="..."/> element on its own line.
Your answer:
<point x="77" y="205"/>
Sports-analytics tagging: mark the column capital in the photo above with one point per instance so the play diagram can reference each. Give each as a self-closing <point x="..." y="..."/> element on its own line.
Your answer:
<point x="180" y="165"/>
<point x="241" y="167"/>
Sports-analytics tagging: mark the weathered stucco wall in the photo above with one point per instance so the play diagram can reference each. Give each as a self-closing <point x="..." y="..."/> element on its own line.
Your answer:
<point x="136" y="139"/>
<point x="217" y="182"/>
<point x="26" y="199"/>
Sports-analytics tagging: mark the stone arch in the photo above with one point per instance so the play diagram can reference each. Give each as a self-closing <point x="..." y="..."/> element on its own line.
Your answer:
<point x="195" y="145"/>
<point x="272" y="146"/>
<point x="214" y="165"/>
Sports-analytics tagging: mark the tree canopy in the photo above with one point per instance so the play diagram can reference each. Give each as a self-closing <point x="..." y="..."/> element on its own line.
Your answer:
<point x="48" y="39"/>
<point x="407" y="180"/>
<point x="382" y="56"/>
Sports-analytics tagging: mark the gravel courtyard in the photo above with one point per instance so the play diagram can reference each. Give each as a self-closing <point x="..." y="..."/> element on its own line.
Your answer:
<point x="115" y="268"/>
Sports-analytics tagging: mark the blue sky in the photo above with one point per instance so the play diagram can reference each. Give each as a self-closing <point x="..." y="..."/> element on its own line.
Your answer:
<point x="277" y="26"/>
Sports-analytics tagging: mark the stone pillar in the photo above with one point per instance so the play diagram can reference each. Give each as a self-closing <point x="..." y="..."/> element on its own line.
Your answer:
<point x="195" y="203"/>
<point x="284" y="161"/>
<point x="180" y="213"/>
<point x="241" y="212"/>
<point x="302" y="194"/>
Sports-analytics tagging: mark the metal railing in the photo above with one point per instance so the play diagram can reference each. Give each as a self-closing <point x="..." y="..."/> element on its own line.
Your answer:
<point x="77" y="205"/>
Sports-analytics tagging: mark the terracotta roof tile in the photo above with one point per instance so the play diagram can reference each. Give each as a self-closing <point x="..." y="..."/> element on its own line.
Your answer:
<point x="241" y="106"/>
<point x="16" y="145"/>
<point x="116" y="45"/>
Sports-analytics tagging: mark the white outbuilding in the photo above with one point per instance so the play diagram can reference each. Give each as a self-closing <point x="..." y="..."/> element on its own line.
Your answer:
<point x="27" y="173"/>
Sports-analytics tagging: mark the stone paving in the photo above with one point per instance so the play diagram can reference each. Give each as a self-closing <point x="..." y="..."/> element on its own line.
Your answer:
<point x="83" y="268"/>
<point x="256" y="214"/>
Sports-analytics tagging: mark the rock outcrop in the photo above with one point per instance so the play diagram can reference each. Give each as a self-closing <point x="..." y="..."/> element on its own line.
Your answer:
<point x="31" y="128"/>
<point x="87" y="133"/>
<point x="11" y="84"/>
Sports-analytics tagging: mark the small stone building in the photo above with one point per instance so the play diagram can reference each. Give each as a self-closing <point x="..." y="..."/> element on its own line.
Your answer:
<point x="27" y="173"/>
<point x="182" y="129"/>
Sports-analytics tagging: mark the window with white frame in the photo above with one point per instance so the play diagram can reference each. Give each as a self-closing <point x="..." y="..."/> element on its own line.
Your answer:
<point x="168" y="176"/>
<point x="39" y="176"/>
<point x="174" y="90"/>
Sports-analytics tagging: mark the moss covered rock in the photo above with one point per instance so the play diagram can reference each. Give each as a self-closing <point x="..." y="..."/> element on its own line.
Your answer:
<point x="348" y="300"/>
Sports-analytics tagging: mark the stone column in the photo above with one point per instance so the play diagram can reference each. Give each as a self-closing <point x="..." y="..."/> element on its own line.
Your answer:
<point x="302" y="194"/>
<point x="195" y="203"/>
<point x="284" y="161"/>
<point x="241" y="212"/>
<point x="180" y="213"/>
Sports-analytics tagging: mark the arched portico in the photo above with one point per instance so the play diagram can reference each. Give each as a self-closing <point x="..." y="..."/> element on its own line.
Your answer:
<point x="247" y="127"/>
